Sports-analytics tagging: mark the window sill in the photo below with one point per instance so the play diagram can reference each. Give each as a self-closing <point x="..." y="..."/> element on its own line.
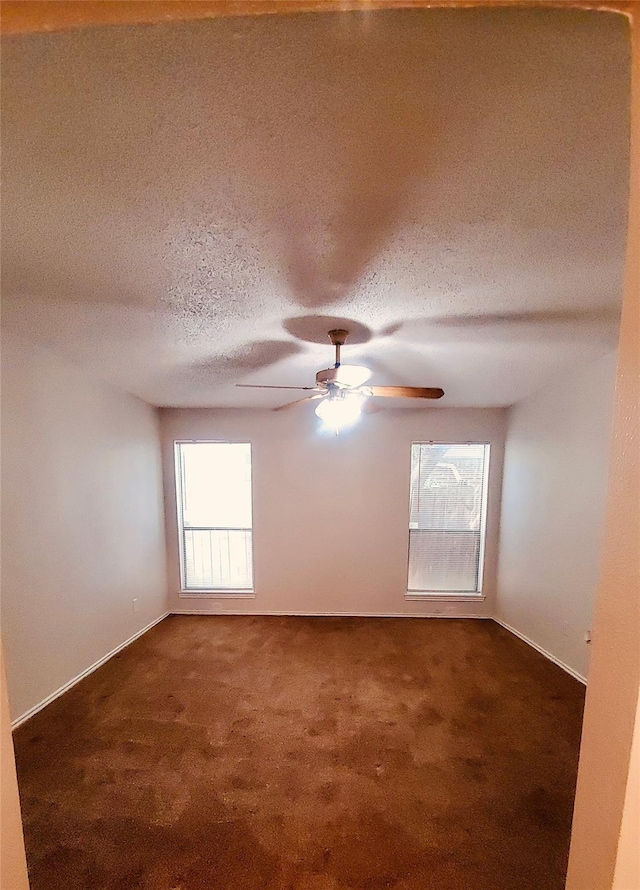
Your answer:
<point x="218" y="594"/>
<point x="444" y="597"/>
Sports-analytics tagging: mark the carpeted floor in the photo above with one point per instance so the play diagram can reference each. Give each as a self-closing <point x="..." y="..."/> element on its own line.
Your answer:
<point x="306" y="754"/>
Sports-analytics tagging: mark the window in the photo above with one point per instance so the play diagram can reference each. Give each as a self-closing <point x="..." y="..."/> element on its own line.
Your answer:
<point x="447" y="517"/>
<point x="213" y="482"/>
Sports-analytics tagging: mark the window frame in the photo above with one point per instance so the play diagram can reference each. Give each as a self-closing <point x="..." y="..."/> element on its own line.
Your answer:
<point x="178" y="475"/>
<point x="455" y="595"/>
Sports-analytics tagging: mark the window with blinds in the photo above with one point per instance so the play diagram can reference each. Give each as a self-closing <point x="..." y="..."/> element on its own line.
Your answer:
<point x="213" y="481"/>
<point x="447" y="516"/>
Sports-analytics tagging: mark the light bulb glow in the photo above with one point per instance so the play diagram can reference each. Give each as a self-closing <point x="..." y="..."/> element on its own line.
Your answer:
<point x="339" y="411"/>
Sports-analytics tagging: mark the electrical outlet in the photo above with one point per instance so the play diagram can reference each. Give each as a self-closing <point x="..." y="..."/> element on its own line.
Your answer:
<point x="134" y="604"/>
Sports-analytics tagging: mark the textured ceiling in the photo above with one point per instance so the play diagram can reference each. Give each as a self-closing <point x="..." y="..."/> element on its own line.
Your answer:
<point x="190" y="206"/>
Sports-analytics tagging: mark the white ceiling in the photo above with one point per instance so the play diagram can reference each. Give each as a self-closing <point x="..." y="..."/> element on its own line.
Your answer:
<point x="190" y="206"/>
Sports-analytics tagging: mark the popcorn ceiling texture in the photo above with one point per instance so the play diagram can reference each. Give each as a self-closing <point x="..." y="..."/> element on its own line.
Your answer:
<point x="189" y="206"/>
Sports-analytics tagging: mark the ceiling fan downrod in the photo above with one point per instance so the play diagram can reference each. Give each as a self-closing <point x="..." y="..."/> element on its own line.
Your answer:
<point x="338" y="337"/>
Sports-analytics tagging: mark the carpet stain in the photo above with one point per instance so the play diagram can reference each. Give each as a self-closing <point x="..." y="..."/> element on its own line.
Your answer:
<point x="306" y="754"/>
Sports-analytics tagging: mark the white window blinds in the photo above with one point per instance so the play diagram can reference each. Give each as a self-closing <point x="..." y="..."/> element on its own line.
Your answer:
<point x="214" y="514"/>
<point x="447" y="517"/>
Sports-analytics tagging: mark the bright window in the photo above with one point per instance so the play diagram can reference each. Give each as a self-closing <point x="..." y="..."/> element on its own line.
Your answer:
<point x="447" y="517"/>
<point x="213" y="481"/>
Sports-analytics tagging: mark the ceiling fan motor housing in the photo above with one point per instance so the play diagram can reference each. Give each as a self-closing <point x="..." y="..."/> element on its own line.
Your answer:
<point x="326" y="376"/>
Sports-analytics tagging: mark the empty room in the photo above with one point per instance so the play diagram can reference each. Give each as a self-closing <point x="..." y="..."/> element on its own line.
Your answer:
<point x="319" y="457"/>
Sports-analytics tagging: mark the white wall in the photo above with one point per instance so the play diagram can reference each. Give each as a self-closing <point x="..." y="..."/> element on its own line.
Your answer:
<point x="82" y="524"/>
<point x="553" y="502"/>
<point x="331" y="513"/>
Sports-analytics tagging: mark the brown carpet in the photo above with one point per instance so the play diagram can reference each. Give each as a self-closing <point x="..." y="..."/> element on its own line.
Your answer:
<point x="306" y="754"/>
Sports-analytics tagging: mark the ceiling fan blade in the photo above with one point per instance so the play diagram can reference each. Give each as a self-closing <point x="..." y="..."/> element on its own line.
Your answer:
<point x="352" y="375"/>
<point x="262" y="386"/>
<point x="299" y="402"/>
<point x="407" y="392"/>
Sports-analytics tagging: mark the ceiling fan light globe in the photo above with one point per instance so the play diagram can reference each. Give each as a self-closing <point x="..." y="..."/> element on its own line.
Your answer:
<point x="352" y="375"/>
<point x="337" y="413"/>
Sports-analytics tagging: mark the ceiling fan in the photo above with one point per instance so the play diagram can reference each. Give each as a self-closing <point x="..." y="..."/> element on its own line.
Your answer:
<point x="341" y="390"/>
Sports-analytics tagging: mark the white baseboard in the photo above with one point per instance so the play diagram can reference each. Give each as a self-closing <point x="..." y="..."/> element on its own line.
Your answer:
<point x="283" y="613"/>
<point x="542" y="651"/>
<point x="286" y="613"/>
<point x="46" y="701"/>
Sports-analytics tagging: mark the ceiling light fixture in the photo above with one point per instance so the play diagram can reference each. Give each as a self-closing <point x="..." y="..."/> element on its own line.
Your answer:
<point x="340" y="409"/>
<point x="351" y="375"/>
